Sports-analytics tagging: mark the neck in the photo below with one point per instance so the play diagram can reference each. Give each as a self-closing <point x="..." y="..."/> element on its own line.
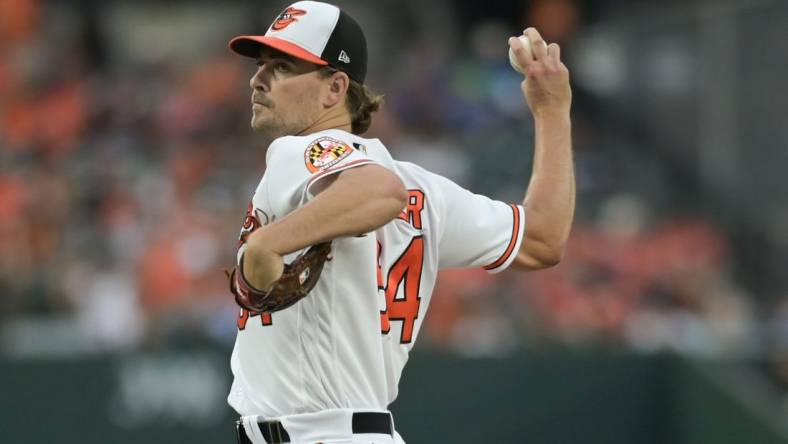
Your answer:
<point x="335" y="117"/>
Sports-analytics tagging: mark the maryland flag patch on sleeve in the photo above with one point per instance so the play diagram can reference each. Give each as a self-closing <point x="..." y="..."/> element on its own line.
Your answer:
<point x="324" y="153"/>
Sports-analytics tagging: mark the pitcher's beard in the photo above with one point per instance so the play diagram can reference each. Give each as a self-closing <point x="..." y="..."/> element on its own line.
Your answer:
<point x="270" y="127"/>
<point x="274" y="126"/>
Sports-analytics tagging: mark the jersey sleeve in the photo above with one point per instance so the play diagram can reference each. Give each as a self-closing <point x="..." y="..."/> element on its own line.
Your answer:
<point x="296" y="164"/>
<point x="478" y="231"/>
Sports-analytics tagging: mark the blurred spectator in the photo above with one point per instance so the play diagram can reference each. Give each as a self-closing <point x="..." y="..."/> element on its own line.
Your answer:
<point x="651" y="288"/>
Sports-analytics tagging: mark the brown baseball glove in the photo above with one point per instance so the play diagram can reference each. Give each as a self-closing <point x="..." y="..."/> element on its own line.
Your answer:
<point x="297" y="280"/>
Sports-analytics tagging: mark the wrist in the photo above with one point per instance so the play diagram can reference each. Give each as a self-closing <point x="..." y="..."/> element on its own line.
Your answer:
<point x="261" y="267"/>
<point x="261" y="241"/>
<point x="551" y="114"/>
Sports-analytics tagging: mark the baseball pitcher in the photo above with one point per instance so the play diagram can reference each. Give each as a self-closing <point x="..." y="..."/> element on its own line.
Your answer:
<point x="341" y="243"/>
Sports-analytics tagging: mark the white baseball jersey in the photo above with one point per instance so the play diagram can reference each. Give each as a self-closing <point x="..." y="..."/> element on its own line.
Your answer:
<point x="346" y="343"/>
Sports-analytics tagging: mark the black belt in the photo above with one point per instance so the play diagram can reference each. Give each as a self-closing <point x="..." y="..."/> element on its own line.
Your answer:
<point x="274" y="432"/>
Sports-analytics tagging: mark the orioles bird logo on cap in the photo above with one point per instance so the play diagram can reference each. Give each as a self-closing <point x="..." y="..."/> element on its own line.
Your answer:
<point x="287" y="17"/>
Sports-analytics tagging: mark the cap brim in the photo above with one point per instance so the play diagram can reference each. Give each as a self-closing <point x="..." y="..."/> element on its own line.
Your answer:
<point x="249" y="46"/>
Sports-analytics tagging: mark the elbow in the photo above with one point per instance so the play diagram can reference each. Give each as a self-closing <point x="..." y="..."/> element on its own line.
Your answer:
<point x="538" y="254"/>
<point x="401" y="199"/>
<point x="548" y="256"/>
<point x="544" y="239"/>
<point x="395" y="195"/>
<point x="552" y="256"/>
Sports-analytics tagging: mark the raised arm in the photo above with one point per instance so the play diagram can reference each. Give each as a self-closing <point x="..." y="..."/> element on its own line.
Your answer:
<point x="550" y="199"/>
<point x="352" y="202"/>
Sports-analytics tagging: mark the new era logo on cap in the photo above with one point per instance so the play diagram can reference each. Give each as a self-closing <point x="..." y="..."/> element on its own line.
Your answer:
<point x="317" y="32"/>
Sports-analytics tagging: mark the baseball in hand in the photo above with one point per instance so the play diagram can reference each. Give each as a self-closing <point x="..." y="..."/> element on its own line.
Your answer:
<point x="529" y="53"/>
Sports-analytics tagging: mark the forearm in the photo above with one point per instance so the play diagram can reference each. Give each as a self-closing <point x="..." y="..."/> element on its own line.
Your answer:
<point x="359" y="201"/>
<point x="550" y="199"/>
<point x="328" y="217"/>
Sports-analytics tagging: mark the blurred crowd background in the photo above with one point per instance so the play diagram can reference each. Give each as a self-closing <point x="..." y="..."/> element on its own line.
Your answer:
<point x="127" y="161"/>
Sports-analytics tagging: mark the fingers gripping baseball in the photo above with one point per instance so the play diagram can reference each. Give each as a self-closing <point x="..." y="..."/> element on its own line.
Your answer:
<point x="538" y="45"/>
<point x="546" y="85"/>
<point x="522" y="55"/>
<point x="555" y="53"/>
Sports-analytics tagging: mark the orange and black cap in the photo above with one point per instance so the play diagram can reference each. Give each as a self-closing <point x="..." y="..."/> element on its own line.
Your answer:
<point x="317" y="32"/>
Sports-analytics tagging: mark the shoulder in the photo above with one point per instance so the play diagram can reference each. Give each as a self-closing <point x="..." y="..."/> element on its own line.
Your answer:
<point x="280" y="147"/>
<point x="316" y="152"/>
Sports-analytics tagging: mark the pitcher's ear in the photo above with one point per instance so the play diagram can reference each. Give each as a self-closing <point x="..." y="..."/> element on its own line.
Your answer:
<point x="338" y="85"/>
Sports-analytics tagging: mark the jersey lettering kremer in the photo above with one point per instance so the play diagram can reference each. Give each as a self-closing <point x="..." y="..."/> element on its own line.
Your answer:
<point x="346" y="343"/>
